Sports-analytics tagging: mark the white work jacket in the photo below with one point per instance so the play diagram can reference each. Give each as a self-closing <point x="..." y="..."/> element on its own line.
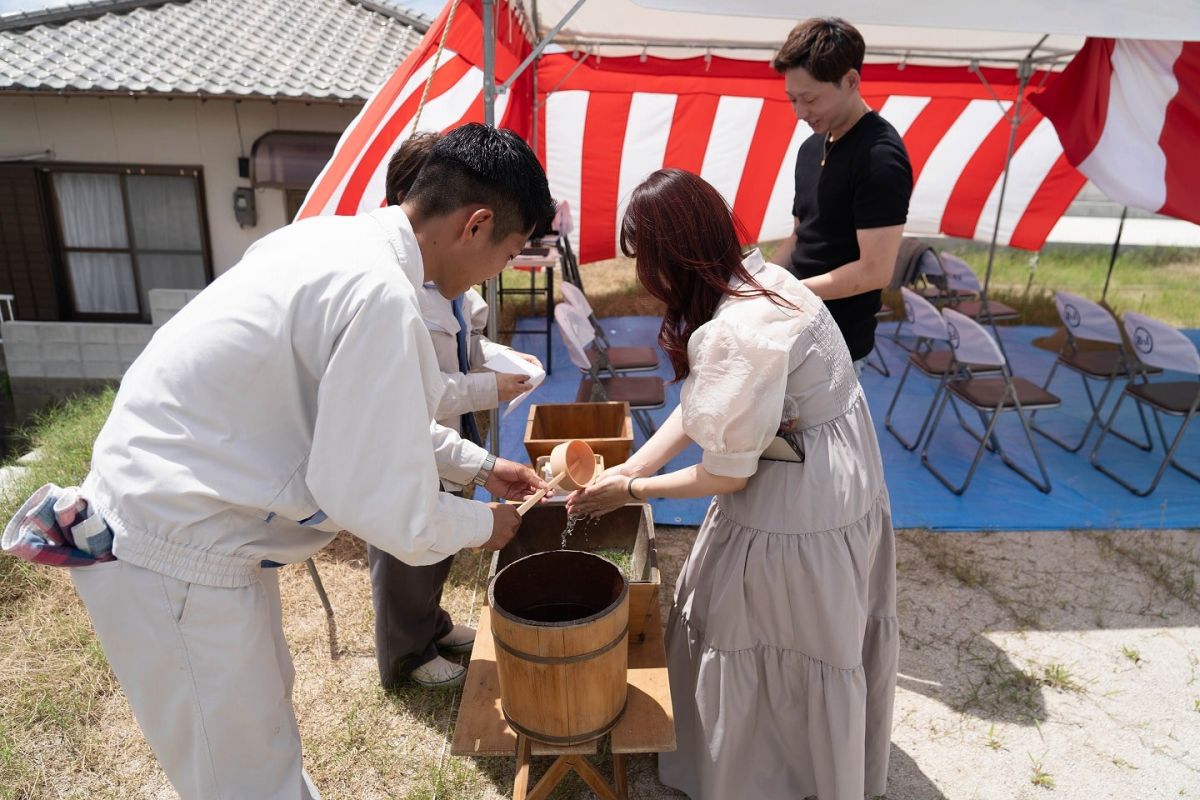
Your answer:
<point x="302" y="380"/>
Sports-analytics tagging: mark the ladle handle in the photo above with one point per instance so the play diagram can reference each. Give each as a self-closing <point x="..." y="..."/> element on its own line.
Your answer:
<point x="540" y="493"/>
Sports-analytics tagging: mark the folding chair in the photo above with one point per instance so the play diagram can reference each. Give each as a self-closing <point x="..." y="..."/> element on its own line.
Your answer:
<point x="930" y="329"/>
<point x="1158" y="345"/>
<point x="564" y="224"/>
<point x="880" y="364"/>
<point x="931" y="281"/>
<point x="1086" y="321"/>
<point x="642" y="392"/>
<point x="961" y="281"/>
<point x="989" y="396"/>
<point x="330" y="622"/>
<point x="912" y="259"/>
<point x="618" y="359"/>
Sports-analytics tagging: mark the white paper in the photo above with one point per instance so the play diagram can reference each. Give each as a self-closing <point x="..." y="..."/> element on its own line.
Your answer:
<point x="508" y="361"/>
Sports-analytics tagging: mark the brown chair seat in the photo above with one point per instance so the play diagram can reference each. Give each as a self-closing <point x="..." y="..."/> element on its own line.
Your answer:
<point x="1098" y="363"/>
<point x="884" y="311"/>
<point x="1174" y="397"/>
<point x="936" y="362"/>
<point x="639" y="392"/>
<point x="622" y="358"/>
<point x="974" y="310"/>
<point x="986" y="393"/>
<point x="934" y="293"/>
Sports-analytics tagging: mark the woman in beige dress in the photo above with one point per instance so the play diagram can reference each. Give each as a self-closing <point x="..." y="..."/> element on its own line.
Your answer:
<point x="782" y="639"/>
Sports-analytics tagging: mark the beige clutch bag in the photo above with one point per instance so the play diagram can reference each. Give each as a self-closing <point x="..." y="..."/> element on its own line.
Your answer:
<point x="781" y="450"/>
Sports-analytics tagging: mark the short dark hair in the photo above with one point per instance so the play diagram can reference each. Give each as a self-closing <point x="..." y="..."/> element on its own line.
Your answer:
<point x="827" y="47"/>
<point x="479" y="164"/>
<point x="405" y="164"/>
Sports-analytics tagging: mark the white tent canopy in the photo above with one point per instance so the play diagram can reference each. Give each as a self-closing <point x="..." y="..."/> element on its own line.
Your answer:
<point x="921" y="29"/>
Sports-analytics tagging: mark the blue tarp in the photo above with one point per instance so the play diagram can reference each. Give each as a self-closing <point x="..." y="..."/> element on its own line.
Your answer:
<point x="997" y="499"/>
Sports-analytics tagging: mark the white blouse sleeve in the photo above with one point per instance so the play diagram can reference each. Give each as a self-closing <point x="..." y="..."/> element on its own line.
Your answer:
<point x="732" y="399"/>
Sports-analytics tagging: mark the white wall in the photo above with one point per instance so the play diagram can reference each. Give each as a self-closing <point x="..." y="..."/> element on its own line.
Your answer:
<point x="185" y="132"/>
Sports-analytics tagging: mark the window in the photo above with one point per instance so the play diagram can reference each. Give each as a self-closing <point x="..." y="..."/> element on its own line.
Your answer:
<point x="124" y="231"/>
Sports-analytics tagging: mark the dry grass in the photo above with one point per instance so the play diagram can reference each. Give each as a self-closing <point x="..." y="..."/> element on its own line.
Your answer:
<point x="611" y="286"/>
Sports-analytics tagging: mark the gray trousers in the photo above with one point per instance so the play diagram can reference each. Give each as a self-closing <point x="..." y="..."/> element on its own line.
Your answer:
<point x="409" y="618"/>
<point x="208" y="675"/>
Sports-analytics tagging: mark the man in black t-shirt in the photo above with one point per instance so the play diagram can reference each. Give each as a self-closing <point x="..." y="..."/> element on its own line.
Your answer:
<point x="853" y="180"/>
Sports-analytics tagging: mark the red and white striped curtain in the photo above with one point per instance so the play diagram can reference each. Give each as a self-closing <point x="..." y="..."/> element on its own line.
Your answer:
<point x="353" y="180"/>
<point x="609" y="122"/>
<point x="1128" y="113"/>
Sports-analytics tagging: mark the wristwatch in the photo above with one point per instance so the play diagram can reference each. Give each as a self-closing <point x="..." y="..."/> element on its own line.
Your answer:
<point x="485" y="471"/>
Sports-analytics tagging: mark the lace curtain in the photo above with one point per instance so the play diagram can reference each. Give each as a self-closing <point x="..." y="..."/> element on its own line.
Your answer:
<point x="162" y="217"/>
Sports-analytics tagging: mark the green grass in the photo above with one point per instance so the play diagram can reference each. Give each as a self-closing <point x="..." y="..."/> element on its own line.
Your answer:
<point x="1057" y="676"/>
<point x="62" y="437"/>
<point x="1163" y="282"/>
<point x="54" y="667"/>
<point x="1041" y="779"/>
<point x="623" y="559"/>
<point x="993" y="741"/>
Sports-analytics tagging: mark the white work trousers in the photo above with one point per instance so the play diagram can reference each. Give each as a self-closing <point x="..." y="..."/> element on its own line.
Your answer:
<point x="209" y="676"/>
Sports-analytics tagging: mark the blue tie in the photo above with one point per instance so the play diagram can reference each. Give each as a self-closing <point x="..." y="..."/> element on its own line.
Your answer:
<point x="469" y="430"/>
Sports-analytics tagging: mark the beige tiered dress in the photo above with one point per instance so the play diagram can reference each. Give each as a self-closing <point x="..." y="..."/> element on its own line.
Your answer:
<point x="782" y="641"/>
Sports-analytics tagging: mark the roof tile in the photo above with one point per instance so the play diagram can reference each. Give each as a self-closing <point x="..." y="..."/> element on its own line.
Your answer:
<point x="326" y="49"/>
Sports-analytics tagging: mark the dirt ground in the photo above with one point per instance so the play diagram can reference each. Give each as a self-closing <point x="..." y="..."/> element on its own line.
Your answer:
<point x="1033" y="665"/>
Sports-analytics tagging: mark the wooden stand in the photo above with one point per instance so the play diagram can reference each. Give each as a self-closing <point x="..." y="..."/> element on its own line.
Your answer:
<point x="647" y="726"/>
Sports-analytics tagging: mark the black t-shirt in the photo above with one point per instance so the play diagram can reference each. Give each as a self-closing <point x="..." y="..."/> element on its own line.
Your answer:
<point x="866" y="183"/>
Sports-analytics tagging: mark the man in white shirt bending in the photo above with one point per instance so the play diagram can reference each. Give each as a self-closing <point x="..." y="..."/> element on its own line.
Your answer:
<point x="294" y="397"/>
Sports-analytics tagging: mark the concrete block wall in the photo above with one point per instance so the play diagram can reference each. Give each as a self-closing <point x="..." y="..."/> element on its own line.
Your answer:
<point x="51" y="360"/>
<point x="48" y="361"/>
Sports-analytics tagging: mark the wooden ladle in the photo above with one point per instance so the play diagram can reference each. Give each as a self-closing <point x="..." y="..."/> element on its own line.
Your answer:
<point x="574" y="466"/>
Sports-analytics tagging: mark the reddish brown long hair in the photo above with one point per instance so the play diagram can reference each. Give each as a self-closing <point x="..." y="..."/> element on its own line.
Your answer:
<point x="687" y="243"/>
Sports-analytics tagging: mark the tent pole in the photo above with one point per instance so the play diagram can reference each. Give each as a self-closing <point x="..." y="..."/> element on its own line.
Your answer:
<point x="1024" y="72"/>
<point x="533" y="8"/>
<point x="1113" y="258"/>
<point x="489" y="118"/>
<point x="534" y="125"/>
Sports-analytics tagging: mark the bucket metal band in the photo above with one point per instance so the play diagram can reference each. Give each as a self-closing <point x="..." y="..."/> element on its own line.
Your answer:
<point x="536" y="659"/>
<point x="578" y="738"/>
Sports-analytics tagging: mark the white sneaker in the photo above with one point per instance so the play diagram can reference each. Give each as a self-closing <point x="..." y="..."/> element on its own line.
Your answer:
<point x="458" y="641"/>
<point x="439" y="673"/>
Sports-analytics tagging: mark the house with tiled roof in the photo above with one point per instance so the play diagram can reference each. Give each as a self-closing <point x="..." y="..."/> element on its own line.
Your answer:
<point x="144" y="145"/>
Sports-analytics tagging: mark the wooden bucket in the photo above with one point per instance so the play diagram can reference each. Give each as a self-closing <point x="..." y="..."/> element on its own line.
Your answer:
<point x="560" y="620"/>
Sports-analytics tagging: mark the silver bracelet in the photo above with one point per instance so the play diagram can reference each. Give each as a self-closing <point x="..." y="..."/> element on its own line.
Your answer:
<point x="629" y="487"/>
<point x="485" y="471"/>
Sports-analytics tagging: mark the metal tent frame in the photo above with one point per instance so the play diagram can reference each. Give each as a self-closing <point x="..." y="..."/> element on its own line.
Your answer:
<point x="1027" y="67"/>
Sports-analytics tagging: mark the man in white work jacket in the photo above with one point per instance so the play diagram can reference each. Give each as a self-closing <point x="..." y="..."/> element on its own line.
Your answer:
<point x="293" y="398"/>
